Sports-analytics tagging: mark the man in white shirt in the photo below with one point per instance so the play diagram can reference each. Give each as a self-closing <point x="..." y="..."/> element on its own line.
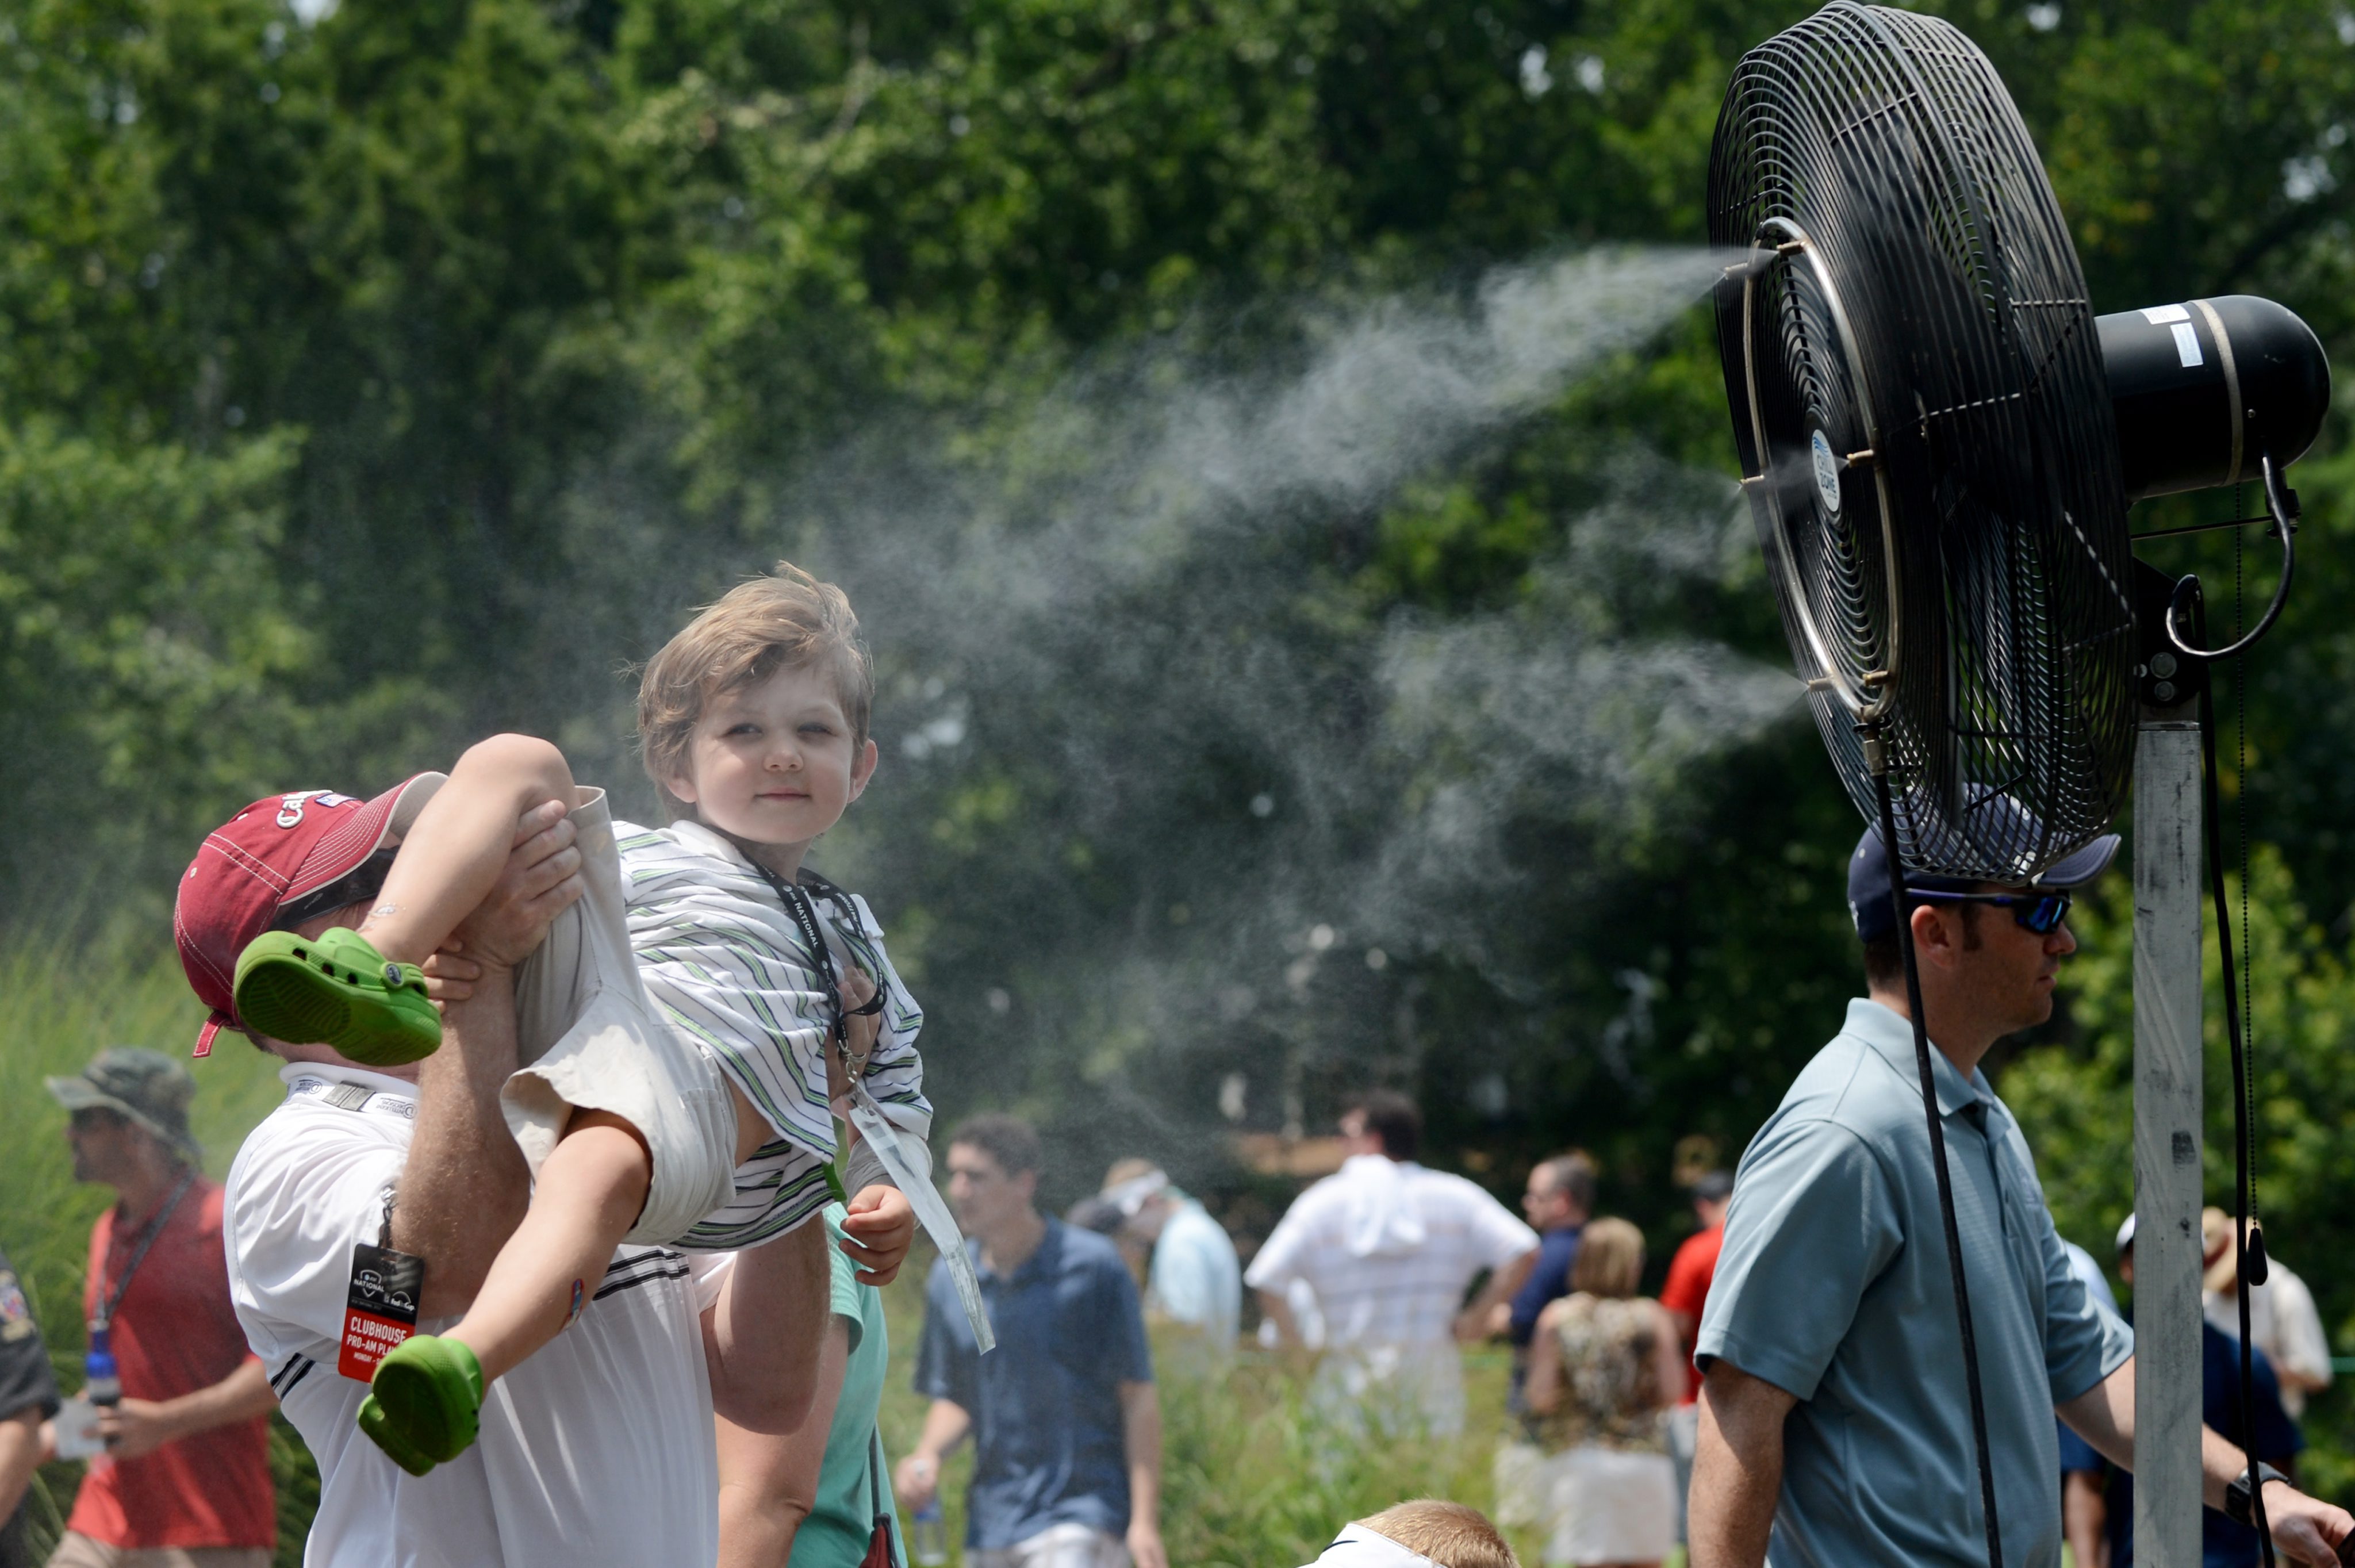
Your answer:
<point x="599" y="1450"/>
<point x="1389" y="1249"/>
<point x="2283" y="1318"/>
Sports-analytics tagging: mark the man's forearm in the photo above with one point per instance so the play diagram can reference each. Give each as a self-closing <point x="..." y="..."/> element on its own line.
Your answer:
<point x="1502" y="1284"/>
<point x="241" y="1396"/>
<point x="2104" y="1416"/>
<point x="2305" y="1530"/>
<point x="2083" y="1513"/>
<point x="1277" y="1309"/>
<point x="945" y="1424"/>
<point x="1140" y="1405"/>
<point x="20" y="1455"/>
<point x="466" y="1186"/>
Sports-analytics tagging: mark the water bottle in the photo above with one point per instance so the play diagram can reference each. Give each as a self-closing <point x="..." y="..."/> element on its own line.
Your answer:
<point x="931" y="1535"/>
<point x="100" y="1385"/>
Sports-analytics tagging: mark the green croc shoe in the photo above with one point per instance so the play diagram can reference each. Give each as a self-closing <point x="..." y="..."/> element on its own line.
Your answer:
<point x="427" y="1396"/>
<point x="378" y="1431"/>
<point x="337" y="989"/>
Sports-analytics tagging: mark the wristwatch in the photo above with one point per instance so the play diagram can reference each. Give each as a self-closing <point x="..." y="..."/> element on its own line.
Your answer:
<point x="2238" y="1496"/>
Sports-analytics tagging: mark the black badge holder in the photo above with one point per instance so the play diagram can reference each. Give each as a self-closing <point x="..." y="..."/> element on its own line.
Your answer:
<point x="381" y="1303"/>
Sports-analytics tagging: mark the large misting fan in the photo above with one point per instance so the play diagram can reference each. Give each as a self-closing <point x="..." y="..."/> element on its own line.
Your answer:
<point x="1940" y="441"/>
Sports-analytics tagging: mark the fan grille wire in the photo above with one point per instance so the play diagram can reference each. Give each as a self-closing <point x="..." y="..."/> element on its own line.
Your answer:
<point x="1888" y="139"/>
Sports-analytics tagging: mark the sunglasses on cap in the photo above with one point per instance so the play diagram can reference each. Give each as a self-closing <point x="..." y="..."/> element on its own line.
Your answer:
<point x="2040" y="912"/>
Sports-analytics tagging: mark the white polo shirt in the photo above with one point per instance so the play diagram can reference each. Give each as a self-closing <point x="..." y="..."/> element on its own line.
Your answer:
<point x="1387" y="1248"/>
<point x="596" y="1451"/>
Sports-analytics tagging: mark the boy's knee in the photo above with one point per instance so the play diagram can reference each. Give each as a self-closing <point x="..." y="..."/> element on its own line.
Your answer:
<point x="534" y="767"/>
<point x="614" y="1156"/>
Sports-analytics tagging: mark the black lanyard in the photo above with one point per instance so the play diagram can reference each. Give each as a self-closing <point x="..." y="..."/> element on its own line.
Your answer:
<point x="797" y="903"/>
<point x="155" y="1227"/>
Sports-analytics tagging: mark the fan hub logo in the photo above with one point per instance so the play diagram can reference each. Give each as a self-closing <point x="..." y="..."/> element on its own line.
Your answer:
<point x="1827" y="469"/>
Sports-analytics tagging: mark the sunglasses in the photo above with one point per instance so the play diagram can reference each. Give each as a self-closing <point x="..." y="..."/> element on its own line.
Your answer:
<point x="2040" y="912"/>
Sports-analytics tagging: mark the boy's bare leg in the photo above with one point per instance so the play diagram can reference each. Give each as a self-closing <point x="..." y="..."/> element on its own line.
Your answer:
<point x="454" y="852"/>
<point x="588" y="1195"/>
<point x="762" y="1338"/>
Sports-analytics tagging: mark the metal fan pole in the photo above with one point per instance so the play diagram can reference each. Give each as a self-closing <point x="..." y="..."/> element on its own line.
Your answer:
<point x="2167" y="1066"/>
<point x="1875" y="756"/>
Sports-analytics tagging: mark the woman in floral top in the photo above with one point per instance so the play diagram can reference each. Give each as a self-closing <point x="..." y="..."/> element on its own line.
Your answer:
<point x="1605" y="1367"/>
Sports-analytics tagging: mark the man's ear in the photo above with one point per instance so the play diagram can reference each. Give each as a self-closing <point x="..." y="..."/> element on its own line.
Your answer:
<point x="1937" y="934"/>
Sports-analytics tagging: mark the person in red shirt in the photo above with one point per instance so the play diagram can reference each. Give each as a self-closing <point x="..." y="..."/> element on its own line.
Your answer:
<point x="184" y="1480"/>
<point x="1684" y="1295"/>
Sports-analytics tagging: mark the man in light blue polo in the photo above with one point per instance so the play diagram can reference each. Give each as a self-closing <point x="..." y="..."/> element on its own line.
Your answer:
<point x="1835" y="1425"/>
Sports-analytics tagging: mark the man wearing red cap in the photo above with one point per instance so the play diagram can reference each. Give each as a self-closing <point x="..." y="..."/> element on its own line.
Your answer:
<point x="599" y="1449"/>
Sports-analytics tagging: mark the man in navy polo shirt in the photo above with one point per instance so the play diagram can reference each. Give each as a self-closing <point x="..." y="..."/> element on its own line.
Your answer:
<point x="1066" y="1424"/>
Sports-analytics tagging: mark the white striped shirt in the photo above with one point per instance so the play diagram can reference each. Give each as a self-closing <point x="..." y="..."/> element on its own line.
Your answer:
<point x="1389" y="1248"/>
<point x="732" y="973"/>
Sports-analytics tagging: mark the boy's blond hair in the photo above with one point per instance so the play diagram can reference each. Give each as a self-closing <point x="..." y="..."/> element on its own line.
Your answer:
<point x="788" y="620"/>
<point x="1450" y="1534"/>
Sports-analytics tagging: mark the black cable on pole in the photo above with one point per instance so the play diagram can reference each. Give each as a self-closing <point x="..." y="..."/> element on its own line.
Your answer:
<point x="1938" y="1148"/>
<point x="2243" y="1265"/>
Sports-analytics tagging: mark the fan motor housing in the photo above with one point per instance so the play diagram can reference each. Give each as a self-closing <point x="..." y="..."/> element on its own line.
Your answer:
<point x="2202" y="389"/>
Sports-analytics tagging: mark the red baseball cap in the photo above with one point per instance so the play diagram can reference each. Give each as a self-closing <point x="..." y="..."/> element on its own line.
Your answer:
<point x="285" y="860"/>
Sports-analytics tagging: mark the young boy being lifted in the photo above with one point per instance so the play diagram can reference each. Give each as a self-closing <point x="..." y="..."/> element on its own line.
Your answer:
<point x="705" y="1119"/>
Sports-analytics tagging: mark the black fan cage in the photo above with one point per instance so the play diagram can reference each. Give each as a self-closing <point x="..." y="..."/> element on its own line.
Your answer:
<point x="1919" y="401"/>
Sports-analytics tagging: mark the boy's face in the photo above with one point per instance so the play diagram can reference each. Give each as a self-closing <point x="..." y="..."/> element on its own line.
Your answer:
<point x="774" y="762"/>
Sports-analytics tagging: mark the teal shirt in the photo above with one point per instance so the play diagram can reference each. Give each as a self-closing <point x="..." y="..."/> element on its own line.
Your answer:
<point x="842" y="1519"/>
<point x="1833" y="1286"/>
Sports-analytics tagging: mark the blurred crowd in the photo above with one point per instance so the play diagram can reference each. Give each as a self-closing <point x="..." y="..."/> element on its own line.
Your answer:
<point x="1377" y="1274"/>
<point x="1382" y="1270"/>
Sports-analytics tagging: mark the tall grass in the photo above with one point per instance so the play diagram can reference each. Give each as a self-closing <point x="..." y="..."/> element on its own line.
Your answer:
<point x="1251" y="1478"/>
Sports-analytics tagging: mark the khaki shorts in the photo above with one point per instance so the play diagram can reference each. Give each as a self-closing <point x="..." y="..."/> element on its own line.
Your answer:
<point x="592" y="1040"/>
<point x="81" y="1552"/>
<point x="1056" y="1546"/>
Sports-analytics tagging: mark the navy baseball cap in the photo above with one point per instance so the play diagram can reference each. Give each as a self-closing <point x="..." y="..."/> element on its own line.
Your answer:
<point x="1868" y="903"/>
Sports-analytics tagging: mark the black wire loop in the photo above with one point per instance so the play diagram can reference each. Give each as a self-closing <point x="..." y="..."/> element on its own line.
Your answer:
<point x="2281" y="501"/>
<point x="2248" y="1262"/>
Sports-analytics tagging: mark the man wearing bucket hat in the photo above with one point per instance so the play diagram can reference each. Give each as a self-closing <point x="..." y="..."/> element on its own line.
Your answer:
<point x="189" y="1481"/>
<point x="598" y="1450"/>
<point x="1835" y="1423"/>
